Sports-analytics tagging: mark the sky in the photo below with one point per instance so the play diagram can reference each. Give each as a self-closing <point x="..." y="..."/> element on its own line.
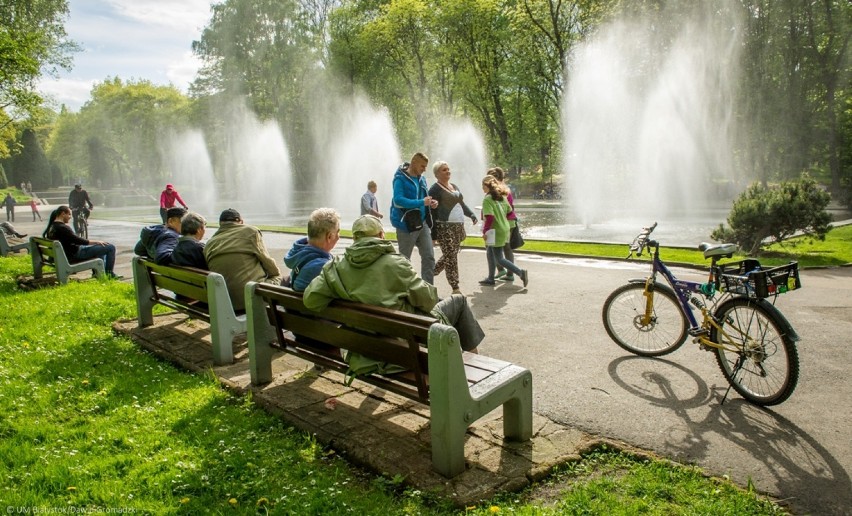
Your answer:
<point x="130" y="39"/>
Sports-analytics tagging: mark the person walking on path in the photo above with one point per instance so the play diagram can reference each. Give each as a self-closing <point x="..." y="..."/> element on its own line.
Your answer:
<point x="9" y="202"/>
<point x="449" y="216"/>
<point x="34" y="207"/>
<point x="500" y="175"/>
<point x="495" y="229"/>
<point x="168" y="197"/>
<point x="411" y="203"/>
<point x="369" y="204"/>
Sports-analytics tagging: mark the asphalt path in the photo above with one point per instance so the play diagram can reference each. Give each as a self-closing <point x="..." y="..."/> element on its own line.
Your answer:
<point x="798" y="451"/>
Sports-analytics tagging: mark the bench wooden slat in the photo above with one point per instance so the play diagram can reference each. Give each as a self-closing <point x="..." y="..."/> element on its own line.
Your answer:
<point x="190" y="290"/>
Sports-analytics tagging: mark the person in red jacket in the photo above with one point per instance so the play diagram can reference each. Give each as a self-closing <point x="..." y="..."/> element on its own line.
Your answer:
<point x="167" y="200"/>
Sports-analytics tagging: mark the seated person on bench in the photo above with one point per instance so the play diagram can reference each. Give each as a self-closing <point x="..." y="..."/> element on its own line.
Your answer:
<point x="158" y="241"/>
<point x="189" y="250"/>
<point x="237" y="252"/>
<point x="372" y="272"/>
<point x="308" y="255"/>
<point x="78" y="249"/>
<point x="12" y="235"/>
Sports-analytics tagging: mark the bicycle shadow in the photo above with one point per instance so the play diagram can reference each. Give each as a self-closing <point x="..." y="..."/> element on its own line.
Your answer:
<point x="801" y="469"/>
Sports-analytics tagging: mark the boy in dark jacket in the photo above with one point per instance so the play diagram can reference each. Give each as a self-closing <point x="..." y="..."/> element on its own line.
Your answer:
<point x="159" y="241"/>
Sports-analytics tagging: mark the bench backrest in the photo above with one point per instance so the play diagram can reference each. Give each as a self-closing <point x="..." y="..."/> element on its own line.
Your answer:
<point x="44" y="247"/>
<point x="187" y="283"/>
<point x="378" y="333"/>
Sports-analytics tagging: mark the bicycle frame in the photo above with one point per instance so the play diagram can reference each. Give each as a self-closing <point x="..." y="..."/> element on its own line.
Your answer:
<point x="684" y="290"/>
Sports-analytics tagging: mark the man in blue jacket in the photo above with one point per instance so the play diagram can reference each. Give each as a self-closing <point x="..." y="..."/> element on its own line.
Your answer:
<point x="158" y="242"/>
<point x="410" y="196"/>
<point x="308" y="255"/>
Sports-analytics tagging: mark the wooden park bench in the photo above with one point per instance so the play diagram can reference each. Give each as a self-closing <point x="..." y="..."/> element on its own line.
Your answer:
<point x="458" y="387"/>
<point x="49" y="252"/>
<point x="196" y="292"/>
<point x="6" y="248"/>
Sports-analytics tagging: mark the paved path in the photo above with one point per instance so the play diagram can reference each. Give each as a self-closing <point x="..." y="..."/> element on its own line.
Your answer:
<point x="798" y="451"/>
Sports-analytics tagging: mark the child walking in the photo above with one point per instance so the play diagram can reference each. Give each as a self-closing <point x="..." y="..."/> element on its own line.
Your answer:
<point x="34" y="207"/>
<point x="495" y="229"/>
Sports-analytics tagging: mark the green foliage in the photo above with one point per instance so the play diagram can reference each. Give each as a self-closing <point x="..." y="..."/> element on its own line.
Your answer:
<point x="32" y="42"/>
<point x="776" y="213"/>
<point x="4" y="182"/>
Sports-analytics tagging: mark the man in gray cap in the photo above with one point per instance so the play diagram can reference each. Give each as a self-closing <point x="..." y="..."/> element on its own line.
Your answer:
<point x="237" y="252"/>
<point x="372" y="272"/>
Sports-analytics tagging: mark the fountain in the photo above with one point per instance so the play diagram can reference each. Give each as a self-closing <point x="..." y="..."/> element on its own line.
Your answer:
<point x="186" y="156"/>
<point x="355" y="142"/>
<point x="459" y="143"/>
<point x="648" y="126"/>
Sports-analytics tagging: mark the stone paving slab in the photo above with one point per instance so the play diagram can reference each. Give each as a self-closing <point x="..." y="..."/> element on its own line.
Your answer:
<point x="381" y="431"/>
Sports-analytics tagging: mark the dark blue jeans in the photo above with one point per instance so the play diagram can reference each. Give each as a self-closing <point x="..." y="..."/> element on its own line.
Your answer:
<point x="495" y="257"/>
<point x="105" y="252"/>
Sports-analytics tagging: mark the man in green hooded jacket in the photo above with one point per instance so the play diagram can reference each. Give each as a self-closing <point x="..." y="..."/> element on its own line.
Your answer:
<point x="372" y="272"/>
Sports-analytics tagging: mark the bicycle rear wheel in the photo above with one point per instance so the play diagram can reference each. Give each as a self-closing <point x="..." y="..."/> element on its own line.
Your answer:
<point x="765" y="369"/>
<point x="623" y="313"/>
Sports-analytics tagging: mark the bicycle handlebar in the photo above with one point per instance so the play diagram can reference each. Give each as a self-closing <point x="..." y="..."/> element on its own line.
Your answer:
<point x="638" y="244"/>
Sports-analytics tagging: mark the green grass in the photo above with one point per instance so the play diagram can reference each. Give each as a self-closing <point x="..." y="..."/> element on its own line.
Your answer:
<point x="835" y="250"/>
<point x="87" y="420"/>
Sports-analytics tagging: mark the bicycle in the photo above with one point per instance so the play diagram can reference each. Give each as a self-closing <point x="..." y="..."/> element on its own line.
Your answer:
<point x="81" y="222"/>
<point x="753" y="342"/>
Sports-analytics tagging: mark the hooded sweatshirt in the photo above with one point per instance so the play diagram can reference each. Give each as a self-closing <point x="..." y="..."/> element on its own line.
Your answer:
<point x="372" y="272"/>
<point x="157" y="242"/>
<point x="305" y="261"/>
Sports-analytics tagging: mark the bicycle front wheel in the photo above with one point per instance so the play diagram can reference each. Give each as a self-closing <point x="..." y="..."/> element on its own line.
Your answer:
<point x="84" y="229"/>
<point x="761" y="362"/>
<point x="624" y="320"/>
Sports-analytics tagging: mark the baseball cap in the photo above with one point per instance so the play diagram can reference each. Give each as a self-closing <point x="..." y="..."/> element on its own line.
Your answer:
<point x="170" y="186"/>
<point x="366" y="226"/>
<point x="230" y="215"/>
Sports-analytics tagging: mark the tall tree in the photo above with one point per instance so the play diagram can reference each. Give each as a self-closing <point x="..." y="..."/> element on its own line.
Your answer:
<point x="32" y="42"/>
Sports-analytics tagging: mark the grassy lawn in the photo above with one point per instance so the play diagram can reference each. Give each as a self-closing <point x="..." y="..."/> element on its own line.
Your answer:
<point x="88" y="420"/>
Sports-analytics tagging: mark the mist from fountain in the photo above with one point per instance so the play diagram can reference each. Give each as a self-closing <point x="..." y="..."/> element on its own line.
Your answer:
<point x="256" y="166"/>
<point x="186" y="155"/>
<point x="355" y="142"/>
<point x="461" y="145"/>
<point x="647" y="118"/>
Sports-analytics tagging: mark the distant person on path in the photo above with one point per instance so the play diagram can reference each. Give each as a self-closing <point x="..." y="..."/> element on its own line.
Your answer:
<point x="9" y="202"/>
<point x="372" y="272"/>
<point x="167" y="200"/>
<point x="237" y="252"/>
<point x="78" y="249"/>
<point x="369" y="203"/>
<point x="410" y="199"/>
<point x="449" y="216"/>
<point x="34" y="207"/>
<point x="78" y="200"/>
<point x="500" y="175"/>
<point x="11" y="233"/>
<point x="189" y="251"/>
<point x="29" y="187"/>
<point x="495" y="229"/>
<point x="308" y="255"/>
<point x="158" y="241"/>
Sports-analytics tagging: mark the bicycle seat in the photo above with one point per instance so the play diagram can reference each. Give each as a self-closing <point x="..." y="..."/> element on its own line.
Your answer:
<point x="711" y="250"/>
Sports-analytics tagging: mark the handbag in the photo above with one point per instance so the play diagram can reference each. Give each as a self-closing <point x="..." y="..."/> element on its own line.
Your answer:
<point x="516" y="240"/>
<point x="413" y="220"/>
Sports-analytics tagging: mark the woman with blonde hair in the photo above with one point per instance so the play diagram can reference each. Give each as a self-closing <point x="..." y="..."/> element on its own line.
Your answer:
<point x="495" y="229"/>
<point x="449" y="216"/>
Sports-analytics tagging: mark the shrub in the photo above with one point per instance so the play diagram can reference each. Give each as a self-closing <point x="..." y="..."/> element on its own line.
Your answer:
<point x="776" y="213"/>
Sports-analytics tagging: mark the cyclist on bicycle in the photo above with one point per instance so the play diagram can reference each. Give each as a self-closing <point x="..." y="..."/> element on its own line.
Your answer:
<point x="78" y="200"/>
